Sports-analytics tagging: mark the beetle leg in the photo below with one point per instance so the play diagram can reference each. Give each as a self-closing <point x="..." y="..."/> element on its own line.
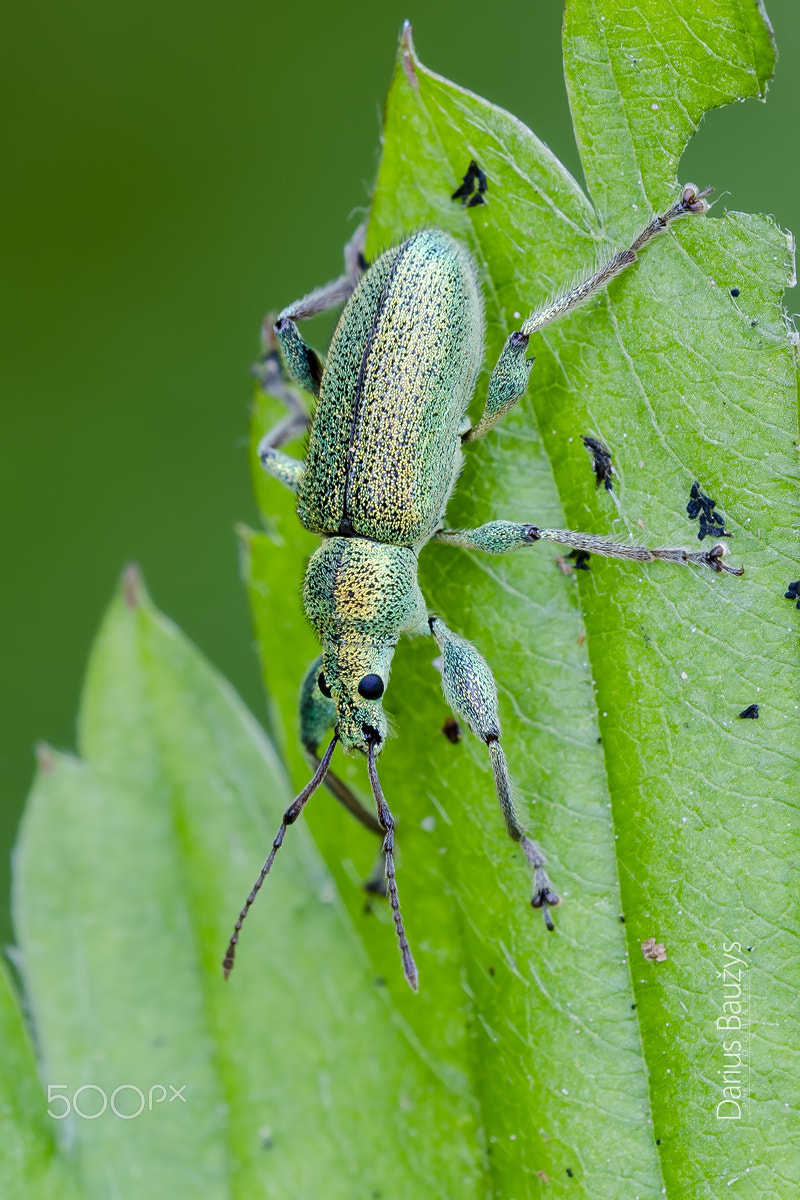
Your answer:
<point x="317" y="719"/>
<point x="506" y="384"/>
<point x="338" y="290"/>
<point x="689" y="202"/>
<point x="498" y="537"/>
<point x="510" y="376"/>
<point x="470" y="691"/>
<point x="271" y="377"/>
<point x="303" y="363"/>
<point x="280" y="466"/>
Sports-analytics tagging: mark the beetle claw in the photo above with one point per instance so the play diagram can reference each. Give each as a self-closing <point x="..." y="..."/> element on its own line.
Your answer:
<point x="544" y="897"/>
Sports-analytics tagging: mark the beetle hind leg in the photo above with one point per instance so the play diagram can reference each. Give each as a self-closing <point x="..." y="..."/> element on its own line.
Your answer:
<point x="287" y="470"/>
<point x="284" y="352"/>
<point x="302" y="362"/>
<point x="272" y="379"/>
<point x="509" y="378"/>
<point x="470" y="691"/>
<point x="691" y="202"/>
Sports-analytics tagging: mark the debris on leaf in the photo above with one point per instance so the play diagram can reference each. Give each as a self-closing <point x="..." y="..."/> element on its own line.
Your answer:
<point x="654" y="951"/>
<point x="580" y="559"/>
<point x="793" y="592"/>
<point x="452" y="730"/>
<point x="601" y="461"/>
<point x="467" y="193"/>
<point x="712" y="524"/>
<point x="751" y="712"/>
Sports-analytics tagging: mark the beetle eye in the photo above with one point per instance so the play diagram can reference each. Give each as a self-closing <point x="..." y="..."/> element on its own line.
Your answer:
<point x="371" y="687"/>
<point x="323" y="687"/>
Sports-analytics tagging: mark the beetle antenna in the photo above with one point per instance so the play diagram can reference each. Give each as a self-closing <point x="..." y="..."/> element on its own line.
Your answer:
<point x="387" y="825"/>
<point x="289" y="817"/>
<point x="338" y="788"/>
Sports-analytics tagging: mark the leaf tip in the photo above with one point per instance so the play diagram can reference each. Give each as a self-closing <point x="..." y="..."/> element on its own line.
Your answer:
<point x="132" y="586"/>
<point x="407" y="55"/>
<point x="770" y="59"/>
<point x="45" y="758"/>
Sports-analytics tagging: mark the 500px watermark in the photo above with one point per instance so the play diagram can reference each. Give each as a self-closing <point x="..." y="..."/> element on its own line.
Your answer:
<point x="734" y="1025"/>
<point x="90" y="1101"/>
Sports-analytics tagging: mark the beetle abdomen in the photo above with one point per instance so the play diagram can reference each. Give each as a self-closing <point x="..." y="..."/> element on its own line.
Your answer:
<point x="384" y="448"/>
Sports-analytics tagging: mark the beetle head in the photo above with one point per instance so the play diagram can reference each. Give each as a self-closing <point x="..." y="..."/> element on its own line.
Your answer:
<point x="360" y="596"/>
<point x="355" y="677"/>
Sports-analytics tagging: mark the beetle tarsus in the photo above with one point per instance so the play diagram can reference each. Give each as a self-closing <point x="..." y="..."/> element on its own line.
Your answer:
<point x="548" y="920"/>
<point x="714" y="559"/>
<point x="544" y="897"/>
<point x="692" y="200"/>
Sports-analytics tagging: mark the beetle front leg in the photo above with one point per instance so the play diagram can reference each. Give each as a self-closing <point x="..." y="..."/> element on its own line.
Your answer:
<point x="470" y="691"/>
<point x="498" y="537"/>
<point x="317" y="719"/>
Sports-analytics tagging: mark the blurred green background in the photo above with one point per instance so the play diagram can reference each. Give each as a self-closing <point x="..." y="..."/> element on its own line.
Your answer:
<point x="172" y="171"/>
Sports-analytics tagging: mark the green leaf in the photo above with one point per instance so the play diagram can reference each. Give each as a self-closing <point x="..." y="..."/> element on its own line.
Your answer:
<point x="28" y="1163"/>
<point x="133" y="863"/>
<point x="588" y="1063"/>
<point x="529" y="1064"/>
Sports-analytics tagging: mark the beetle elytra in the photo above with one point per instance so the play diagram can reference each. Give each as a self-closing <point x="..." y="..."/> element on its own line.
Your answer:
<point x="384" y="454"/>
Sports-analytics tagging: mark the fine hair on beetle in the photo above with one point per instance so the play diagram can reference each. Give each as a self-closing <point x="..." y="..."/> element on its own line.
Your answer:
<point x="383" y="456"/>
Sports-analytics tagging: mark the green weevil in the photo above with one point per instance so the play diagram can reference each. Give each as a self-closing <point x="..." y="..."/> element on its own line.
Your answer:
<point x="384" y="454"/>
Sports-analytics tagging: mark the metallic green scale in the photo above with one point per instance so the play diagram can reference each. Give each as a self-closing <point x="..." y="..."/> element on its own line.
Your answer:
<point x="385" y="450"/>
<point x="384" y="454"/>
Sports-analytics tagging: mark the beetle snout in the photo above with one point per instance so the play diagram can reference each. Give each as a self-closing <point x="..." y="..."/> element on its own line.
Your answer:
<point x="361" y="727"/>
<point x="372" y="738"/>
